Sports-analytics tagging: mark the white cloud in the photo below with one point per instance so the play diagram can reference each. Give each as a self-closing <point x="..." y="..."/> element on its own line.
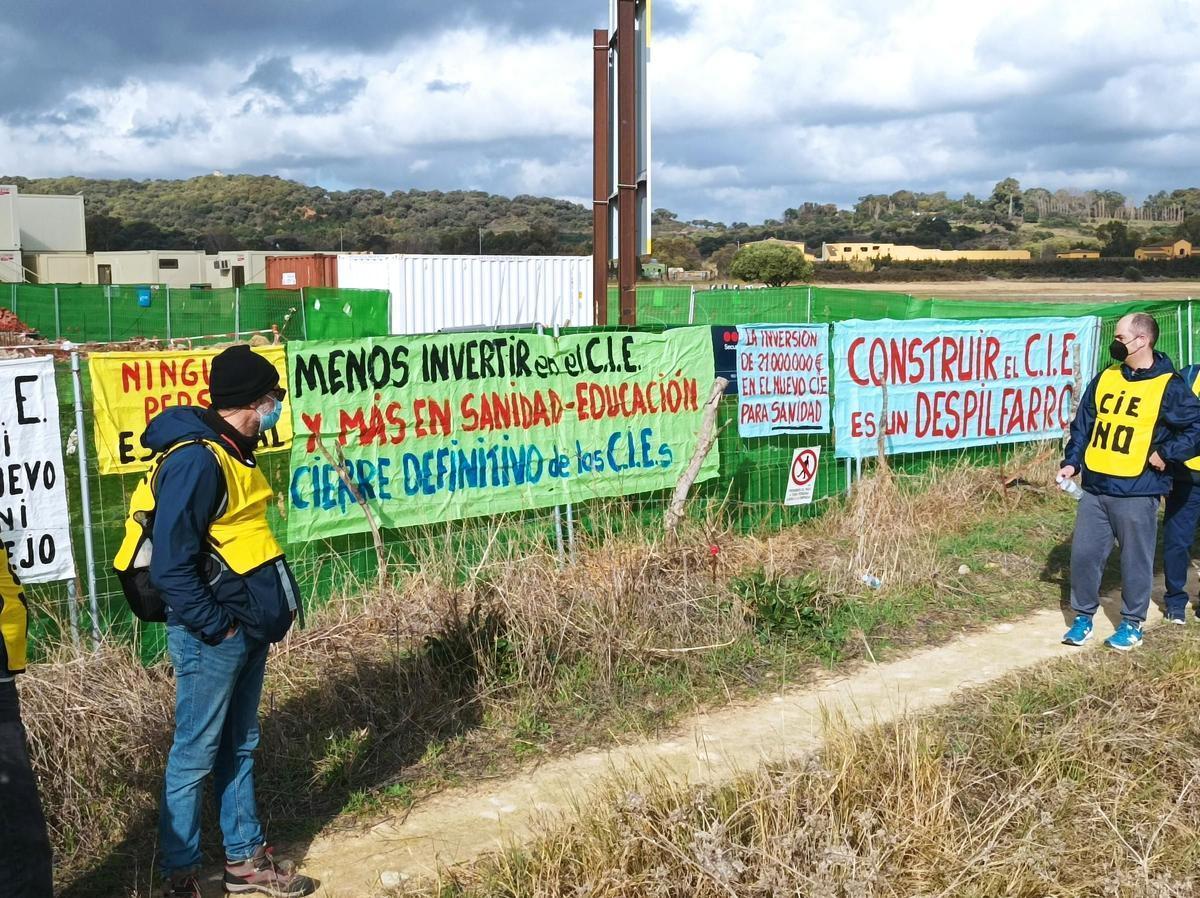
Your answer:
<point x="758" y="105"/>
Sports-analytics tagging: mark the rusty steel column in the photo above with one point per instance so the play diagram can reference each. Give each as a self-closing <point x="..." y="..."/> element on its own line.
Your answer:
<point x="601" y="178"/>
<point x="627" y="160"/>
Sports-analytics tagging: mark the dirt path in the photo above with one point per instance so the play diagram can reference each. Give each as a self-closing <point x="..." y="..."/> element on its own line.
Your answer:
<point x="460" y="825"/>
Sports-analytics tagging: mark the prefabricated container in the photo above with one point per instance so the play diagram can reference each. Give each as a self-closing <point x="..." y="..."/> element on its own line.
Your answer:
<point x="59" y="268"/>
<point x="434" y="292"/>
<point x="241" y="267"/>
<point x="51" y="223"/>
<point x="294" y="272"/>
<point x="10" y="232"/>
<point x="174" y="268"/>
<point x="10" y="267"/>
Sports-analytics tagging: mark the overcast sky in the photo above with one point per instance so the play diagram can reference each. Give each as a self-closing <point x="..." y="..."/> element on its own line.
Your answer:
<point x="757" y="104"/>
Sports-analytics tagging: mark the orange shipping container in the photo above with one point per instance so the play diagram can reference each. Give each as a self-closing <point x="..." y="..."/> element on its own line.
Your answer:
<point x="294" y="272"/>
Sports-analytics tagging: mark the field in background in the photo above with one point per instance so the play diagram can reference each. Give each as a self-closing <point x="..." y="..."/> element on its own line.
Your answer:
<point x="1111" y="290"/>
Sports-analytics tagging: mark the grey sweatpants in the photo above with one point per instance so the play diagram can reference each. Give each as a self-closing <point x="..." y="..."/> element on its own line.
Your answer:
<point x="1132" y="522"/>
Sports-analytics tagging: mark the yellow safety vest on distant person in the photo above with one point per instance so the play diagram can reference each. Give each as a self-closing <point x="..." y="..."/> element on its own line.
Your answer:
<point x="1126" y="415"/>
<point x="239" y="536"/>
<point x="14" y="618"/>
<point x="1194" y="463"/>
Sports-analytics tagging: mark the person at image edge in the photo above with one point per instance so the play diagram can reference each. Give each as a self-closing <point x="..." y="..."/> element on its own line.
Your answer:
<point x="1135" y="419"/>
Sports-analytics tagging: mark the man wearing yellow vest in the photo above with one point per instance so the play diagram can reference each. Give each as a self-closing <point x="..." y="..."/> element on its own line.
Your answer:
<point x="25" y="867"/>
<point x="1134" y="419"/>
<point x="229" y="594"/>
<point x="1180" y="517"/>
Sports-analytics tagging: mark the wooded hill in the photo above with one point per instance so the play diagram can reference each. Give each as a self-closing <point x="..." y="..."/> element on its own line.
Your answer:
<point x="217" y="212"/>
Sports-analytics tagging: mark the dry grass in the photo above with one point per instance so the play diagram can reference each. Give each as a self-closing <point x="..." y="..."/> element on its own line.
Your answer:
<point x="469" y="647"/>
<point x="1077" y="779"/>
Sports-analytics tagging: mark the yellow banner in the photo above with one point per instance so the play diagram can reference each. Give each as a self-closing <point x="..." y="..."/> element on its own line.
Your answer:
<point x="130" y="388"/>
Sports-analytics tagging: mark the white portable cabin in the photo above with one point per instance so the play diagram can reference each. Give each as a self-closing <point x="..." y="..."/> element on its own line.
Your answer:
<point x="59" y="268"/>
<point x="237" y="268"/>
<point x="51" y="223"/>
<point x="10" y="230"/>
<point x="431" y="293"/>
<point x="174" y="268"/>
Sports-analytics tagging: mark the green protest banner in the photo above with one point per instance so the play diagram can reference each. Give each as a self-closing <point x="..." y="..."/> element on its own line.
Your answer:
<point x="449" y="426"/>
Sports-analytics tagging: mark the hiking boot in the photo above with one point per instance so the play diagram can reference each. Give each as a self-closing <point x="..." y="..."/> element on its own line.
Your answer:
<point x="182" y="884"/>
<point x="263" y="875"/>
<point x="1080" y="632"/>
<point x="1128" y="636"/>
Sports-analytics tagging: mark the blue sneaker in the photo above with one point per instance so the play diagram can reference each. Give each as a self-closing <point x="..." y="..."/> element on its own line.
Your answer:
<point x="1080" y="632"/>
<point x="1128" y="636"/>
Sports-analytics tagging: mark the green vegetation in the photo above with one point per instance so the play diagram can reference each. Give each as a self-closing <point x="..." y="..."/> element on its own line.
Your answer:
<point x="1076" y="779"/>
<point x="771" y="264"/>
<point x="461" y="669"/>
<point x="219" y="212"/>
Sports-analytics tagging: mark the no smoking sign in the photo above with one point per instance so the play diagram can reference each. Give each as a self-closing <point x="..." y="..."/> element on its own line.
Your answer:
<point x="802" y="476"/>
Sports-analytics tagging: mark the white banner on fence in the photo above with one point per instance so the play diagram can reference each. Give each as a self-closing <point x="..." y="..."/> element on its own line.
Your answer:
<point x="783" y="379"/>
<point x="34" y="523"/>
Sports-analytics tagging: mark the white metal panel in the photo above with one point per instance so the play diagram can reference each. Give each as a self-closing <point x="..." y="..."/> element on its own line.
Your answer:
<point x="10" y="267"/>
<point x="51" y="224"/>
<point x="145" y="267"/>
<point x="430" y="293"/>
<point x="10" y="233"/>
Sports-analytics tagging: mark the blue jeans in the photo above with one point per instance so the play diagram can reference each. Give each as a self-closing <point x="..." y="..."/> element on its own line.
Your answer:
<point x="217" y="689"/>
<point x="1179" y="530"/>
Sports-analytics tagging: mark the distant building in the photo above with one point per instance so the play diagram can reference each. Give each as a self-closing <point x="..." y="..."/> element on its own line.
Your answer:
<point x="680" y="274"/>
<point x="654" y="270"/>
<point x="180" y="268"/>
<point x="40" y="224"/>
<point x="1079" y="254"/>
<point x="1178" y="249"/>
<point x="897" y="252"/>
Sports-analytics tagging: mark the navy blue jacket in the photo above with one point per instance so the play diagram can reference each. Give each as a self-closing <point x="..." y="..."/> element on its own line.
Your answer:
<point x="1179" y="470"/>
<point x="1176" y="436"/>
<point x="200" y="592"/>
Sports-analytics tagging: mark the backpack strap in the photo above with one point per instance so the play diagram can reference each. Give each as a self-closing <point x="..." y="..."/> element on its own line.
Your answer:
<point x="153" y="480"/>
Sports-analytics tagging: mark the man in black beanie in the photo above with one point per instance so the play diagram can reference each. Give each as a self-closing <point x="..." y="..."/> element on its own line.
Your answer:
<point x="229" y="594"/>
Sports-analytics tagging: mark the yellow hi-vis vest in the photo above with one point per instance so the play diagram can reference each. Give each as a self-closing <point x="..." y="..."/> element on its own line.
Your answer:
<point x="14" y="618"/>
<point x="1126" y="414"/>
<point x="1194" y="463"/>
<point x="239" y="536"/>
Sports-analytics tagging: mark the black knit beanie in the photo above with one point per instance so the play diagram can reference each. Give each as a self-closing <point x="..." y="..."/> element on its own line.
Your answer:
<point x="239" y="376"/>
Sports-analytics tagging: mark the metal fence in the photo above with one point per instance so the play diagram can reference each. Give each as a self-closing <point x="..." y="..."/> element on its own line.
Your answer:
<point x="747" y="495"/>
<point x="122" y="313"/>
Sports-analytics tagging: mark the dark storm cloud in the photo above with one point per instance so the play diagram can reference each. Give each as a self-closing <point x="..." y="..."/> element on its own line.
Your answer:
<point x="305" y="93"/>
<point x="62" y="45"/>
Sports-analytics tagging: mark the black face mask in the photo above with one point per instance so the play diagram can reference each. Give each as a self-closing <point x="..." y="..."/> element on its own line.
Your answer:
<point x="1118" y="350"/>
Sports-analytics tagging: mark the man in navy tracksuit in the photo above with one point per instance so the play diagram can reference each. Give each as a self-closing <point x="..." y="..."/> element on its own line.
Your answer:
<point x="1180" y="518"/>
<point x="1134" y="419"/>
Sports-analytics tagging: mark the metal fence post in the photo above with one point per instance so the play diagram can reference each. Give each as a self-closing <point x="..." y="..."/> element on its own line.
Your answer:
<point x="14" y="299"/>
<point x="237" y="313"/>
<point x="692" y="308"/>
<point x="558" y="521"/>
<point x="808" y="319"/>
<point x="849" y="477"/>
<point x="108" y="302"/>
<point x="1179" y="330"/>
<point x="303" y="316"/>
<point x="85" y="497"/>
<point x="168" y="289"/>
<point x="1191" y="357"/>
<point x="57" y="317"/>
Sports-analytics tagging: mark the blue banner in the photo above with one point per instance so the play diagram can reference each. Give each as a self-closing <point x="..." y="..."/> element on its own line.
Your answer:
<point x="930" y="384"/>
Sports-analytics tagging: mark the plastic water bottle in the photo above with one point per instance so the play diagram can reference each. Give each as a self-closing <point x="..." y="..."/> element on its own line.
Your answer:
<point x="871" y="580"/>
<point x="1071" y="488"/>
